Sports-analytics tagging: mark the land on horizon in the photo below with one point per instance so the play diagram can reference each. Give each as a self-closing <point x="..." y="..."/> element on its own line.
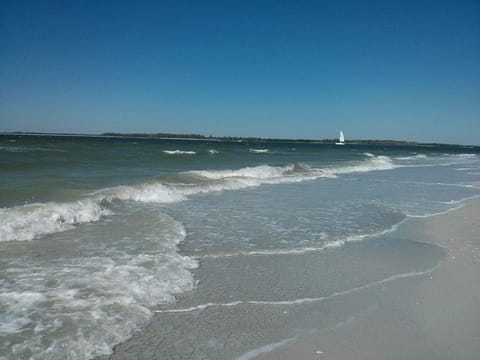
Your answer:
<point x="176" y="136"/>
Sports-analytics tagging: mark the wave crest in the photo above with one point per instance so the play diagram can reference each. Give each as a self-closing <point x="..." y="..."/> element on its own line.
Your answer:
<point x="413" y="157"/>
<point x="257" y="172"/>
<point x="30" y="221"/>
<point x="259" y="151"/>
<point x="179" y="152"/>
<point x="110" y="293"/>
<point x="148" y="192"/>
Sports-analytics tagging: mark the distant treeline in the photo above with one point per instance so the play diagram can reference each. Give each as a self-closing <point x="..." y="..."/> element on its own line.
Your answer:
<point x="231" y="138"/>
<point x="239" y="138"/>
<point x="203" y="137"/>
<point x="157" y="135"/>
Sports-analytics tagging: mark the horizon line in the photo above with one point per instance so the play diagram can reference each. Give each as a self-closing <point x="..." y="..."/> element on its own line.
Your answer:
<point x="191" y="136"/>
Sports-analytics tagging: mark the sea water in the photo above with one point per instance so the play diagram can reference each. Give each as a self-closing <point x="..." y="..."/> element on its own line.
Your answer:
<point x="205" y="249"/>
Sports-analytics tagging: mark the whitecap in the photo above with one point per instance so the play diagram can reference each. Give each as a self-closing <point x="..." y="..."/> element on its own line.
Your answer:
<point x="179" y="152"/>
<point x="413" y="157"/>
<point x="98" y="299"/>
<point x="33" y="220"/>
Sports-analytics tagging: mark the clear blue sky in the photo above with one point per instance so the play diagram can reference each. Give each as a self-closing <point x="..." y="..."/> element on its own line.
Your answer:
<point x="301" y="69"/>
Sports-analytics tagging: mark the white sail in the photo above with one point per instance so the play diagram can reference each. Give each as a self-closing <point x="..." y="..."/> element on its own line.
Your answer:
<point x="341" y="139"/>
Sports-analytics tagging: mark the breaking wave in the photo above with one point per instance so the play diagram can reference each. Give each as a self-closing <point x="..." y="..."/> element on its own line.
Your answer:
<point x="462" y="155"/>
<point x="413" y="157"/>
<point x="98" y="299"/>
<point x="179" y="152"/>
<point x="35" y="220"/>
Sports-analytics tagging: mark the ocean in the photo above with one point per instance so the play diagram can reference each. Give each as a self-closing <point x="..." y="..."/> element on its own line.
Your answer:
<point x="188" y="249"/>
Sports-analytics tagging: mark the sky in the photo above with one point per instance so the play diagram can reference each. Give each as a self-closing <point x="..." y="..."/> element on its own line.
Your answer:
<point x="404" y="70"/>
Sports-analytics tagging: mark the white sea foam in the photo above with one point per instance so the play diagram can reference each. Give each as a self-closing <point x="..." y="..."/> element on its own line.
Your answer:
<point x="146" y="192"/>
<point x="19" y="302"/>
<point x="213" y="151"/>
<point x="461" y="155"/>
<point x="305" y="249"/>
<point x="374" y="163"/>
<point x="260" y="151"/>
<point x="256" y="172"/>
<point x="33" y="220"/>
<point x="179" y="152"/>
<point x="221" y="180"/>
<point x="413" y="157"/>
<point x="96" y="300"/>
<point x="458" y="204"/>
<point x="201" y="307"/>
<point x="287" y="251"/>
<point x="296" y="172"/>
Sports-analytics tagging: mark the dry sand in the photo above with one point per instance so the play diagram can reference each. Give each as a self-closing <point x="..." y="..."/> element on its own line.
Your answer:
<point x="429" y="317"/>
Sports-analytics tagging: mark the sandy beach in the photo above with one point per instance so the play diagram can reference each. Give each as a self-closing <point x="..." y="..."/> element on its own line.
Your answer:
<point x="192" y="250"/>
<point x="435" y="316"/>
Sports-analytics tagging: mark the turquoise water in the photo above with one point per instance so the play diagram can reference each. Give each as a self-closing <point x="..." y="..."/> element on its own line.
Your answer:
<point x="97" y="234"/>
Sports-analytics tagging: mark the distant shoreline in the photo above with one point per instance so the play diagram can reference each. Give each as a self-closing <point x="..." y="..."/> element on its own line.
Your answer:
<point x="197" y="137"/>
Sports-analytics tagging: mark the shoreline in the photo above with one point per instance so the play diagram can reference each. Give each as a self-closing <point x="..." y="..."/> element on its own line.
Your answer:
<point x="431" y="314"/>
<point x="436" y="316"/>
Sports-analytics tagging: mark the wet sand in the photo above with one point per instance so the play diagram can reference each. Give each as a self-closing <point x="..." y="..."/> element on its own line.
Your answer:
<point x="436" y="316"/>
<point x="425" y="314"/>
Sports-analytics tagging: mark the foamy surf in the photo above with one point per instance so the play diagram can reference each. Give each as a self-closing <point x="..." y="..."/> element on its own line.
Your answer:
<point x="412" y="157"/>
<point x="81" y="308"/>
<point x="179" y="152"/>
<point x="144" y="192"/>
<point x="298" y="172"/>
<point x="107" y="257"/>
<point x="332" y="244"/>
<point x="461" y="155"/>
<point x="36" y="220"/>
<point x="256" y="172"/>
<point x="288" y="251"/>
<point x="373" y="163"/>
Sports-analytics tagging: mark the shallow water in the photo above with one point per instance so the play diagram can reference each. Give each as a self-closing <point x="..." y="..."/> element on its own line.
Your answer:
<point x="233" y="245"/>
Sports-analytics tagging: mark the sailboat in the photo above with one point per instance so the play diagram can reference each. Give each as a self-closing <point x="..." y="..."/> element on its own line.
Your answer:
<point x="341" y="139"/>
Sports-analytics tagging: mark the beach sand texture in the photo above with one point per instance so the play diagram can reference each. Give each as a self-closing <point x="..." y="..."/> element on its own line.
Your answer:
<point x="435" y="317"/>
<point x="424" y="316"/>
